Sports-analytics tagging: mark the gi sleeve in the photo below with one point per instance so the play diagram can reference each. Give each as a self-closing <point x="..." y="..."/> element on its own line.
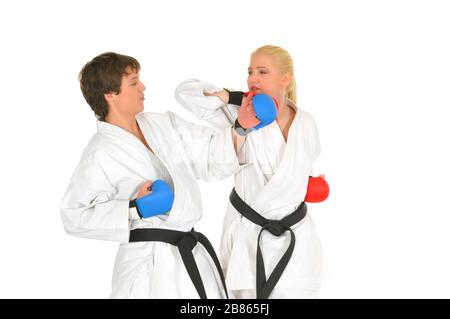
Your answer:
<point x="314" y="140"/>
<point x="89" y="208"/>
<point x="210" y="151"/>
<point x="313" y="143"/>
<point x="189" y="94"/>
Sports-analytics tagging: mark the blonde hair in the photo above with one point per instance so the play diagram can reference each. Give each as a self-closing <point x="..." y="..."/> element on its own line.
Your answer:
<point x="285" y="65"/>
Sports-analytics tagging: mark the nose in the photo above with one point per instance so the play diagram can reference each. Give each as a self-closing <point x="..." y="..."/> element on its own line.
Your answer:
<point x="252" y="79"/>
<point x="142" y="86"/>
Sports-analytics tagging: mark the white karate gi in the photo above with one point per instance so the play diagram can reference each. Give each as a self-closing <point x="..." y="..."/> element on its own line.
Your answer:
<point x="113" y="167"/>
<point x="273" y="181"/>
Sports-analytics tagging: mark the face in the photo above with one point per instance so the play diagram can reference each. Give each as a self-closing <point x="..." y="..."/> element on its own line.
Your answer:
<point x="130" y="100"/>
<point x="264" y="76"/>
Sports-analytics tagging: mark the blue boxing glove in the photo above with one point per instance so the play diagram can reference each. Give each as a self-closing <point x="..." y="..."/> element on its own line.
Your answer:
<point x="266" y="109"/>
<point x="160" y="201"/>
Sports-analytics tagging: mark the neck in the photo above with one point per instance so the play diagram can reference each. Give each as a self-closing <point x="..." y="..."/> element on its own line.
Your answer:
<point x="129" y="124"/>
<point x="285" y="117"/>
<point x="285" y="111"/>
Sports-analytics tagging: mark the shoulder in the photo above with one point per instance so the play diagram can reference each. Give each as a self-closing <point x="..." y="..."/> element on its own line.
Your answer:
<point x="305" y="115"/>
<point x="99" y="148"/>
<point x="169" y="116"/>
<point x="152" y="116"/>
<point x="164" y="120"/>
<point x="307" y="119"/>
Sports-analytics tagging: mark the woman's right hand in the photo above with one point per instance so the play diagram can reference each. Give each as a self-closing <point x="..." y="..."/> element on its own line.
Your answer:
<point x="145" y="189"/>
<point x="246" y="114"/>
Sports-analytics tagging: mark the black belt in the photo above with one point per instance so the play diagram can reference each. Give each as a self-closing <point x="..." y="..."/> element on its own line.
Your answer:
<point x="185" y="241"/>
<point x="275" y="227"/>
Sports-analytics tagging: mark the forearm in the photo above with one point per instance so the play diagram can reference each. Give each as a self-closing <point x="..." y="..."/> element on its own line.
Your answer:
<point x="222" y="160"/>
<point x="207" y="102"/>
<point x="190" y="94"/>
<point x="234" y="97"/>
<point x="238" y="141"/>
<point x="103" y="220"/>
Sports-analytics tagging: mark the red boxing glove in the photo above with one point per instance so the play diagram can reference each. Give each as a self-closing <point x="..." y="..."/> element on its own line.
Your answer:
<point x="317" y="191"/>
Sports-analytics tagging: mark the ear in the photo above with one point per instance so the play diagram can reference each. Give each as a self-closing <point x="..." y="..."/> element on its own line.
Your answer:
<point x="286" y="79"/>
<point x="109" y="97"/>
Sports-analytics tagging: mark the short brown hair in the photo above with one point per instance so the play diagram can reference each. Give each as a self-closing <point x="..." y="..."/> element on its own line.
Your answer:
<point x="104" y="75"/>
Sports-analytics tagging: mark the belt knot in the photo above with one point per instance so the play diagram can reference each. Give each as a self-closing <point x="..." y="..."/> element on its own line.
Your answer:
<point x="275" y="227"/>
<point x="189" y="240"/>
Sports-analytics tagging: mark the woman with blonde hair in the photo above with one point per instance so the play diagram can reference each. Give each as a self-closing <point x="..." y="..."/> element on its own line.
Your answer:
<point x="270" y="248"/>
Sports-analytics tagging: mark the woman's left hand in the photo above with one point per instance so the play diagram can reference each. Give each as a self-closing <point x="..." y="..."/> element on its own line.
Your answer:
<point x="223" y="95"/>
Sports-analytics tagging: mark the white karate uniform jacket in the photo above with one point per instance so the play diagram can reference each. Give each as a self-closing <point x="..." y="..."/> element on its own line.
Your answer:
<point x="273" y="181"/>
<point x="113" y="167"/>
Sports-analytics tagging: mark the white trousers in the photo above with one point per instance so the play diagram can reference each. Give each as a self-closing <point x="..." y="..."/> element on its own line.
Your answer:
<point x="283" y="293"/>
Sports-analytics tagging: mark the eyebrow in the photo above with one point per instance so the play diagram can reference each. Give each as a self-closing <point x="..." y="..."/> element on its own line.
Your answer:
<point x="134" y="78"/>
<point x="259" y="67"/>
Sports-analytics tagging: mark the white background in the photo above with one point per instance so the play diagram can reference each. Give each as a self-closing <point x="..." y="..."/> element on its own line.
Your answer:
<point x="375" y="75"/>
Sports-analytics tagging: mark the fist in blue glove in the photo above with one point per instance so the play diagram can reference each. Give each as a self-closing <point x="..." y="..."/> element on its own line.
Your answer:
<point x="158" y="200"/>
<point x="263" y="112"/>
<point x="266" y="109"/>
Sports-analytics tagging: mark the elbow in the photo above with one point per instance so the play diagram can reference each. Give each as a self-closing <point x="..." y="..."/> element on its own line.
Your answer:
<point x="221" y="172"/>
<point x="181" y="91"/>
<point x="69" y="222"/>
<point x="179" y="95"/>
